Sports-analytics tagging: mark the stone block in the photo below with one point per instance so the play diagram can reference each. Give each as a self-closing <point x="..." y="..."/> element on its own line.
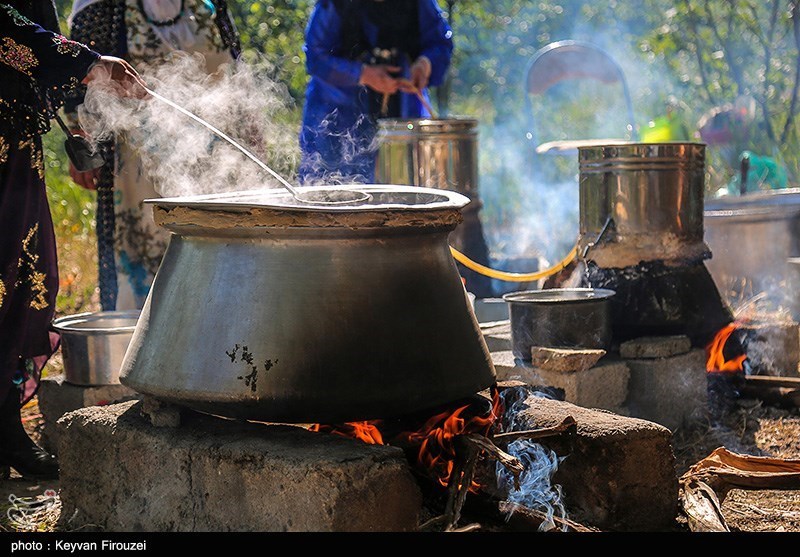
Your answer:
<point x="669" y="391"/>
<point x="57" y="397"/>
<point x="564" y="360"/>
<point x="620" y="473"/>
<point x="120" y="473"/>
<point x="498" y="337"/>
<point x="603" y="386"/>
<point x="655" y="347"/>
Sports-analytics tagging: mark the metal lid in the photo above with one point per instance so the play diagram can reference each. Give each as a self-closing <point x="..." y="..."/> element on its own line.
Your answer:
<point x="428" y="125"/>
<point x="382" y="198"/>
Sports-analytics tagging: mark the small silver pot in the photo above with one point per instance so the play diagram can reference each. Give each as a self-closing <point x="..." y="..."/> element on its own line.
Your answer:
<point x="559" y="318"/>
<point x="94" y="344"/>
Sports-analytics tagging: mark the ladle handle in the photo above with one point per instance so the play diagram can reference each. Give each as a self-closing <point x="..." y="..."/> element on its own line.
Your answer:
<point x="222" y="135"/>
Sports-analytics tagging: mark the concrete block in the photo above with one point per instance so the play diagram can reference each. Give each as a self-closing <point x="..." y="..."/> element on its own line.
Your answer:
<point x="119" y="473"/>
<point x="669" y="391"/>
<point x="57" y="397"/>
<point x="655" y="347"/>
<point x="604" y="386"/>
<point x="498" y="337"/>
<point x="620" y="473"/>
<point x="564" y="360"/>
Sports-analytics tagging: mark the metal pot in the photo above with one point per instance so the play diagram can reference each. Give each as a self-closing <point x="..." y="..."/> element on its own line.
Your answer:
<point x="559" y="318"/>
<point x="753" y="238"/>
<point x="267" y="309"/>
<point x="94" y="344"/>
<point x="653" y="194"/>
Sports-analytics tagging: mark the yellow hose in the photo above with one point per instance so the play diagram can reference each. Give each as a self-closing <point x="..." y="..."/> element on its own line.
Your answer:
<point x="513" y="277"/>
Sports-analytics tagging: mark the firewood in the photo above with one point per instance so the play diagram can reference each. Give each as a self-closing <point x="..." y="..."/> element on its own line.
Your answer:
<point x="771" y="381"/>
<point x="511" y="463"/>
<point x="460" y="480"/>
<point x="568" y="425"/>
<point x="522" y="519"/>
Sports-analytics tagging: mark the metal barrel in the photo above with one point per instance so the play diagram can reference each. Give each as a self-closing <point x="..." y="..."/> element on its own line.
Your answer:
<point x="433" y="153"/>
<point x="646" y="188"/>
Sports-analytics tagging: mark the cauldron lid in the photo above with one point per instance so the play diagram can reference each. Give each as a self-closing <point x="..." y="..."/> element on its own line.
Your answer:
<point x="383" y="198"/>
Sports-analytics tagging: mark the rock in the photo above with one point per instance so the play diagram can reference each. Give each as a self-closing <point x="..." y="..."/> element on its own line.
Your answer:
<point x="498" y="337"/>
<point x="57" y="397"/>
<point x="564" y="360"/>
<point x="620" y="473"/>
<point x="120" y="473"/>
<point x="655" y="347"/>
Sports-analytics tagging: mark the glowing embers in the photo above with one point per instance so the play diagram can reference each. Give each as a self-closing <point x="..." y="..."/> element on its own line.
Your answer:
<point x="367" y="432"/>
<point x="720" y="362"/>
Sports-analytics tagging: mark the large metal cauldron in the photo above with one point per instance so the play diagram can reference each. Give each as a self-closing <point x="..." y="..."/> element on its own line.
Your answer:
<point x="268" y="309"/>
<point x="653" y="194"/>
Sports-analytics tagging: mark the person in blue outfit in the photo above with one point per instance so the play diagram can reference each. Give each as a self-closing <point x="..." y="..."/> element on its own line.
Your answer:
<point x="367" y="59"/>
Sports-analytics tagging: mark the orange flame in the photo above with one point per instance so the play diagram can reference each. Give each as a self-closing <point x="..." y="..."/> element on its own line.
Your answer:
<point x="716" y="361"/>
<point x="367" y="432"/>
<point x="435" y="438"/>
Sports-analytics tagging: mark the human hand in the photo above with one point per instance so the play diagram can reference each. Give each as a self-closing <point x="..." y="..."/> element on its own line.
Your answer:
<point x="86" y="179"/>
<point x="421" y="72"/>
<point x="379" y="79"/>
<point x="119" y="75"/>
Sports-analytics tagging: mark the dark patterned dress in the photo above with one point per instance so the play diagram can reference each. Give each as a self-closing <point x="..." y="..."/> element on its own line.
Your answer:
<point x="38" y="68"/>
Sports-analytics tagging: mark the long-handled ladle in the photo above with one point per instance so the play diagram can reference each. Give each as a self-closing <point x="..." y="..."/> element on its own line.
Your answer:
<point x="317" y="197"/>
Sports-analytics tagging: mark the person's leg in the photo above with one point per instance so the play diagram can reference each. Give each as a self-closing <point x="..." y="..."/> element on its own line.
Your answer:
<point x="28" y="287"/>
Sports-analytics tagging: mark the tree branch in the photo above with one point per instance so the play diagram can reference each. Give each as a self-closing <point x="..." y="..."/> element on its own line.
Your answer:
<point x="692" y="21"/>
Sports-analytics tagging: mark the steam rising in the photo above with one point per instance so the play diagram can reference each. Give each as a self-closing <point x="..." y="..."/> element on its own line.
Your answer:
<point x="184" y="158"/>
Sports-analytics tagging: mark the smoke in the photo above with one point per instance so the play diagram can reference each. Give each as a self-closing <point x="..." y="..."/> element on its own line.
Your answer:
<point x="536" y="490"/>
<point x="536" y="487"/>
<point x="182" y="157"/>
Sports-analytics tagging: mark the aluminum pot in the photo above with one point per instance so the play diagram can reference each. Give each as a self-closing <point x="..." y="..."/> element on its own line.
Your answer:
<point x="653" y="194"/>
<point x="433" y="153"/>
<point x="264" y="308"/>
<point x="754" y="238"/>
<point x="559" y="318"/>
<point x="93" y="345"/>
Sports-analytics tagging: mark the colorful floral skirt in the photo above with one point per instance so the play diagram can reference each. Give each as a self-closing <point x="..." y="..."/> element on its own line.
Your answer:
<point x="28" y="268"/>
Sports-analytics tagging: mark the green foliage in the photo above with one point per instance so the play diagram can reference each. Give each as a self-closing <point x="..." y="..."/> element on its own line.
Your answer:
<point x="73" y="212"/>
<point x="275" y="30"/>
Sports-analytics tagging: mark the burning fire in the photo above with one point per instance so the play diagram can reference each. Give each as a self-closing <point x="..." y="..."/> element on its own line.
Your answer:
<point x="367" y="432"/>
<point x="435" y="438"/>
<point x="716" y="361"/>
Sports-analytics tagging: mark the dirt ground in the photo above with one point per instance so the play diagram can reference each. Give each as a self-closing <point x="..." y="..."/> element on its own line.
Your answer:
<point x="753" y="428"/>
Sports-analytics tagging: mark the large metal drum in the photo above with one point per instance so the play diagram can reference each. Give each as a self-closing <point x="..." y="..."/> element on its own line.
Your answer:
<point x="653" y="194"/>
<point x="270" y="309"/>
<point x="433" y="153"/>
